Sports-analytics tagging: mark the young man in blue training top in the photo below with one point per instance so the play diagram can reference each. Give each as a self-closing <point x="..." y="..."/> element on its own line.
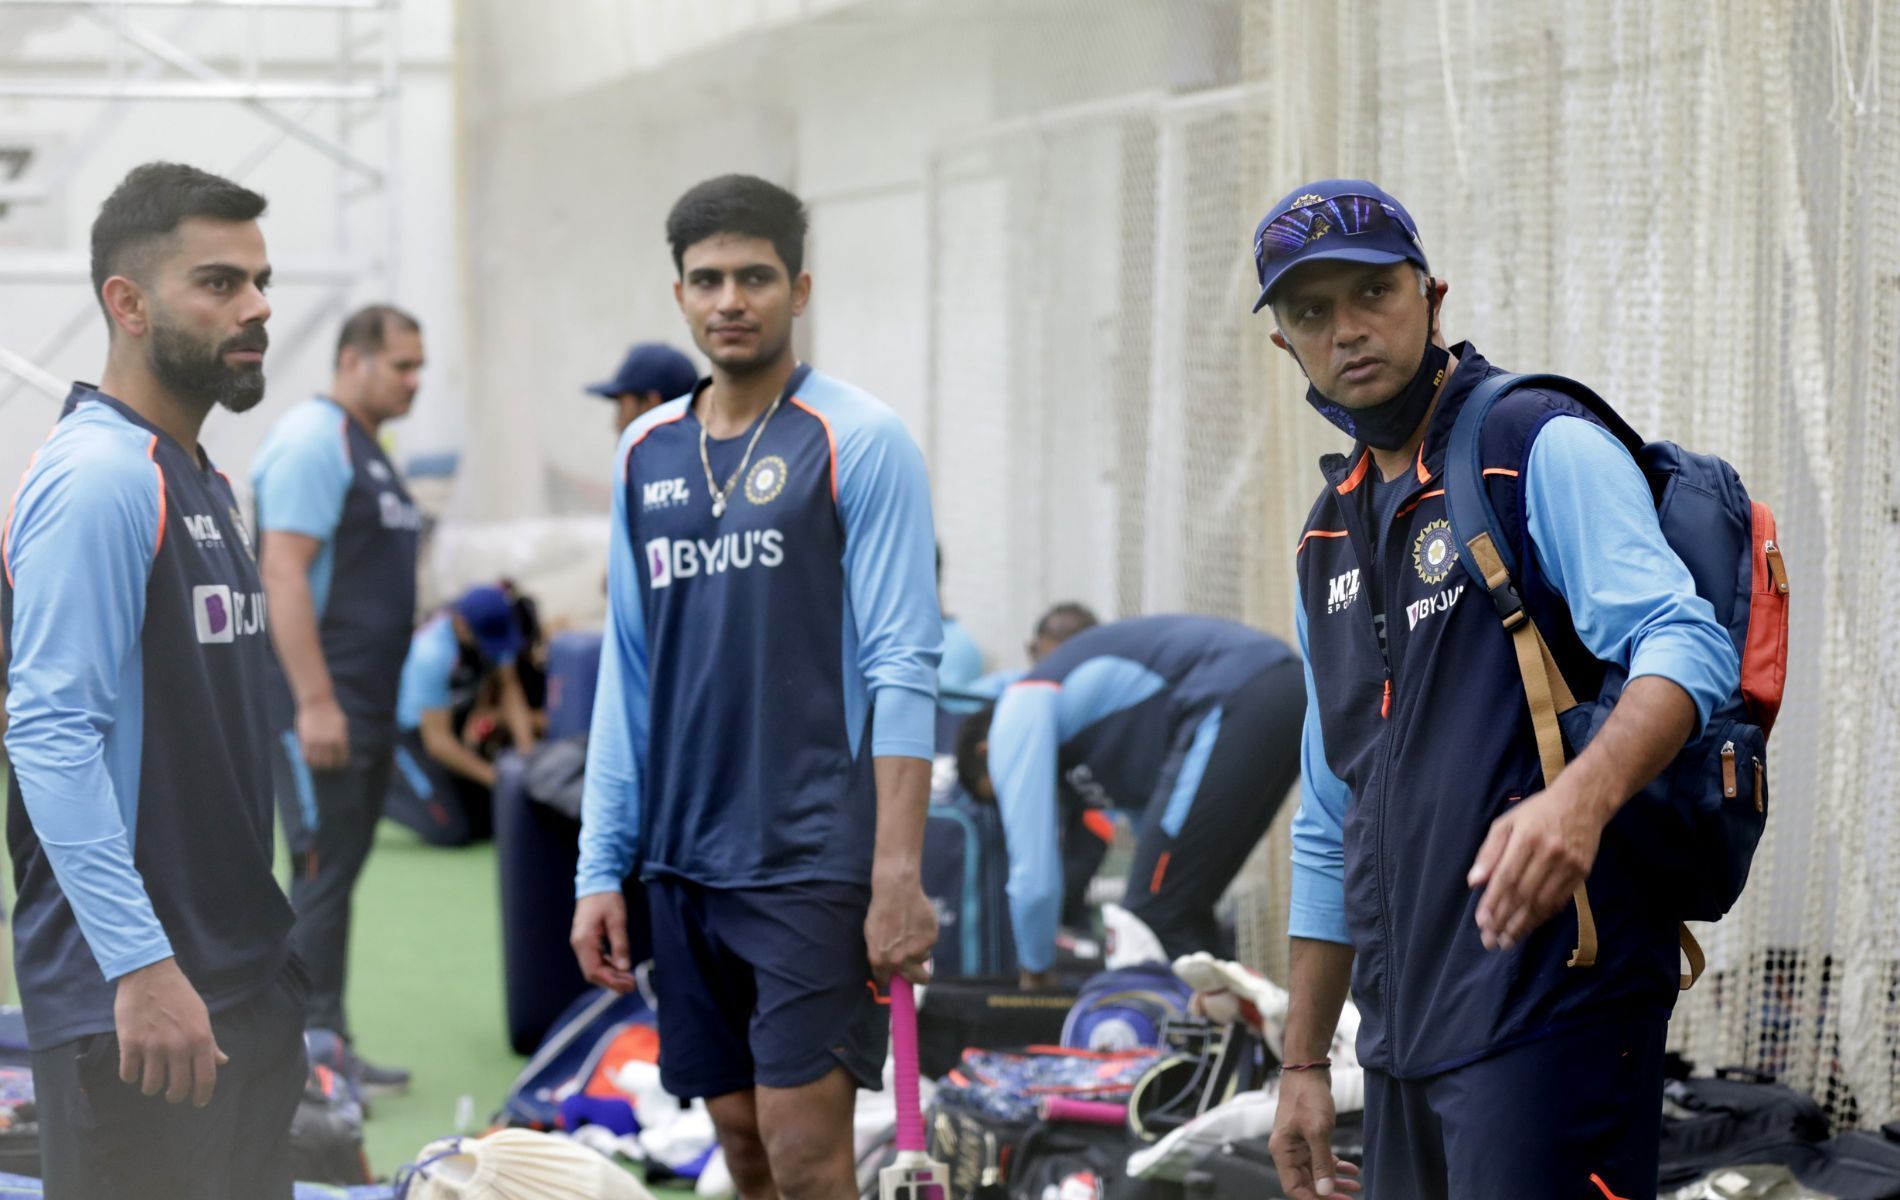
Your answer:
<point x="762" y="732"/>
<point x="1193" y="723"/>
<point x="337" y="537"/>
<point x="151" y="941"/>
<point x="443" y="787"/>
<point x="1428" y="861"/>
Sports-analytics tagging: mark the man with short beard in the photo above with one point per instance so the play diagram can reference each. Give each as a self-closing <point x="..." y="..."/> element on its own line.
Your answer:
<point x="1512" y="1037"/>
<point x="152" y="942"/>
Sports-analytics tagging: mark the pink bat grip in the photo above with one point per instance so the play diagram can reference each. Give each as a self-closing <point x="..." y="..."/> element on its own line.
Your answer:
<point x="910" y="1116"/>
<point x="1082" y="1112"/>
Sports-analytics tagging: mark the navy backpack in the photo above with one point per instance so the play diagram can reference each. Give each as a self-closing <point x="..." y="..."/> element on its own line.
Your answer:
<point x="1712" y="801"/>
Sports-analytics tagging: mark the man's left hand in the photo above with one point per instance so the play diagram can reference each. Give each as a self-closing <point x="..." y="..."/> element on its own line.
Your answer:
<point x="900" y="931"/>
<point x="1534" y="858"/>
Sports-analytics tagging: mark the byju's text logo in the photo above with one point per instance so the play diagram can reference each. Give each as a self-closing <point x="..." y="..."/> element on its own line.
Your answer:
<point x="663" y="493"/>
<point x="669" y="559"/>
<point x="1342" y="590"/>
<point x="221" y="614"/>
<point x="1438" y="602"/>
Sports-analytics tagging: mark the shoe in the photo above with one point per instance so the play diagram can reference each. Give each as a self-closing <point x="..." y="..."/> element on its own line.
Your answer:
<point x="373" y="1080"/>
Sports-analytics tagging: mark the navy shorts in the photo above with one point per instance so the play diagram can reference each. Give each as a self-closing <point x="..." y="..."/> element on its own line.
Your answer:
<point x="1576" y="1115"/>
<point x="764" y="986"/>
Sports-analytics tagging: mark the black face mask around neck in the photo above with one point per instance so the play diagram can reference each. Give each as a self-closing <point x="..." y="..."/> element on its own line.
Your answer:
<point x="1391" y="423"/>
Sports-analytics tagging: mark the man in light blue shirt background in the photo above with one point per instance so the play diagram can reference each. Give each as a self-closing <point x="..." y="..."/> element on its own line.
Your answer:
<point x="337" y="547"/>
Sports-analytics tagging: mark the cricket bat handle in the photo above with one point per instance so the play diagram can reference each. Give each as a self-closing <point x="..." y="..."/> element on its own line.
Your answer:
<point x="910" y="1116"/>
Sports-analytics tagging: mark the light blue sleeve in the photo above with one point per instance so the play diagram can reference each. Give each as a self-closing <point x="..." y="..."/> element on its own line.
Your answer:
<point x="302" y="472"/>
<point x="617" y="739"/>
<point x="1317" y="908"/>
<point x="84" y="533"/>
<point x="890" y="548"/>
<point x="962" y="660"/>
<point x="1023" y="766"/>
<point x="426" y="672"/>
<point x="1594" y="527"/>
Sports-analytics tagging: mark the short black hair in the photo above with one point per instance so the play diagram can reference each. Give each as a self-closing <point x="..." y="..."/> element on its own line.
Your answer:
<point x="1070" y="617"/>
<point x="148" y="206"/>
<point x="972" y="758"/>
<point x="367" y="330"/>
<point x="741" y="204"/>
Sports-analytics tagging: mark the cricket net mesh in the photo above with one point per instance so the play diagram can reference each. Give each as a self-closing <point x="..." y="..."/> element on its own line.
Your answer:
<point x="1693" y="207"/>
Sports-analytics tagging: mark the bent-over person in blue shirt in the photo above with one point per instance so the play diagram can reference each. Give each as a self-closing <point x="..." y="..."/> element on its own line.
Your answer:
<point x="443" y="787"/>
<point x="1190" y="724"/>
<point x="762" y="733"/>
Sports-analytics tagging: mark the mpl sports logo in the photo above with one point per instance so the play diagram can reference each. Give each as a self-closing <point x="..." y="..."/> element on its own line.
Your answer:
<point x="1341" y="591"/>
<point x="664" y="493"/>
<point x="222" y="615"/>
<point x="669" y="559"/>
<point x="397" y="513"/>
<point x="203" y="528"/>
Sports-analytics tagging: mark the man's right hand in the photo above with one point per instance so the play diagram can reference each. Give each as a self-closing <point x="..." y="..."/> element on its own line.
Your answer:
<point x="1302" y="1141"/>
<point x="324" y="733"/>
<point x="165" y="1038"/>
<point x="602" y="918"/>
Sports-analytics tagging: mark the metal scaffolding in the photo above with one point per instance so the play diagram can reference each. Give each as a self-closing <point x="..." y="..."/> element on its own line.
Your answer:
<point x="323" y="110"/>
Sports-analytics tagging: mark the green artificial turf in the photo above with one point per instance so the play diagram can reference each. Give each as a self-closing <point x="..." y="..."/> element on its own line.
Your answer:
<point x="425" y="989"/>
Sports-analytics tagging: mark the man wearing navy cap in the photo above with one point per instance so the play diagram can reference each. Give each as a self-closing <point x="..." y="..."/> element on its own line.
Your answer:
<point x="650" y="375"/>
<point x="443" y="784"/>
<point x="1431" y="869"/>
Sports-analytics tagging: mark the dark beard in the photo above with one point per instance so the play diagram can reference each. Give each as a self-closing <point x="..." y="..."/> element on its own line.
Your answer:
<point x="189" y="372"/>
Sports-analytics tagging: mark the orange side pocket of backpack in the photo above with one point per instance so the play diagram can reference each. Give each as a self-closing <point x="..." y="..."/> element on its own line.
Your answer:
<point x="1765" y="655"/>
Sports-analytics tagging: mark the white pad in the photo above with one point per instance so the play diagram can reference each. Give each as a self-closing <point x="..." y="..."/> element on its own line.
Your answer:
<point x="1130" y="941"/>
<point x="518" y="1164"/>
<point x="1227" y="992"/>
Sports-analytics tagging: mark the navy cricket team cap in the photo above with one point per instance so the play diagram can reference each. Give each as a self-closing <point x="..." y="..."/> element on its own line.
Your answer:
<point x="491" y="618"/>
<point x="1344" y="220"/>
<point x="650" y="367"/>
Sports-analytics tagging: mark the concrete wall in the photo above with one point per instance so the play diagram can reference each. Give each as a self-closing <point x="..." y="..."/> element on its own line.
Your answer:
<point x="570" y="172"/>
<point x="86" y="146"/>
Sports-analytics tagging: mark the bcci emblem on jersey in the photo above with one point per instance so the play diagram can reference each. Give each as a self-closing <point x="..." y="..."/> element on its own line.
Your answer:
<point x="1433" y="553"/>
<point x="765" y="480"/>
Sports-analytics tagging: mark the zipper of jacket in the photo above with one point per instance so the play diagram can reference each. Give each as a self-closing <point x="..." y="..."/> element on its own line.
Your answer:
<point x="1353" y="513"/>
<point x="1387" y="592"/>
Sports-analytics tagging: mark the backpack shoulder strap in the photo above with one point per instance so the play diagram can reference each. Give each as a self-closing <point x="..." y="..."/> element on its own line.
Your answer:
<point x="1487" y="559"/>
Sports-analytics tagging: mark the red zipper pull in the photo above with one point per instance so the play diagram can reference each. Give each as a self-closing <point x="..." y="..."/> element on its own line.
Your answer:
<point x="1385" y="705"/>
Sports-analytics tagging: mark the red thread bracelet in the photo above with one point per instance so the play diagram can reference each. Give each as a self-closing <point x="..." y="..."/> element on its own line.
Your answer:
<point x="1317" y="1065"/>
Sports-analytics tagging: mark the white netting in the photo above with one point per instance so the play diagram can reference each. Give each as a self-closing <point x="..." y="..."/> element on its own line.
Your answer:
<point x="1693" y="207"/>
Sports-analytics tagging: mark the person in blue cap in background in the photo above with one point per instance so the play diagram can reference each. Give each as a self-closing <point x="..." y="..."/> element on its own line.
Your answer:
<point x="1431" y="869"/>
<point x="442" y="785"/>
<point x="650" y="375"/>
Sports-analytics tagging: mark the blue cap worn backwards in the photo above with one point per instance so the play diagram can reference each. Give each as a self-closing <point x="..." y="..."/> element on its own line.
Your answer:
<point x="650" y="367"/>
<point x="1344" y="220"/>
